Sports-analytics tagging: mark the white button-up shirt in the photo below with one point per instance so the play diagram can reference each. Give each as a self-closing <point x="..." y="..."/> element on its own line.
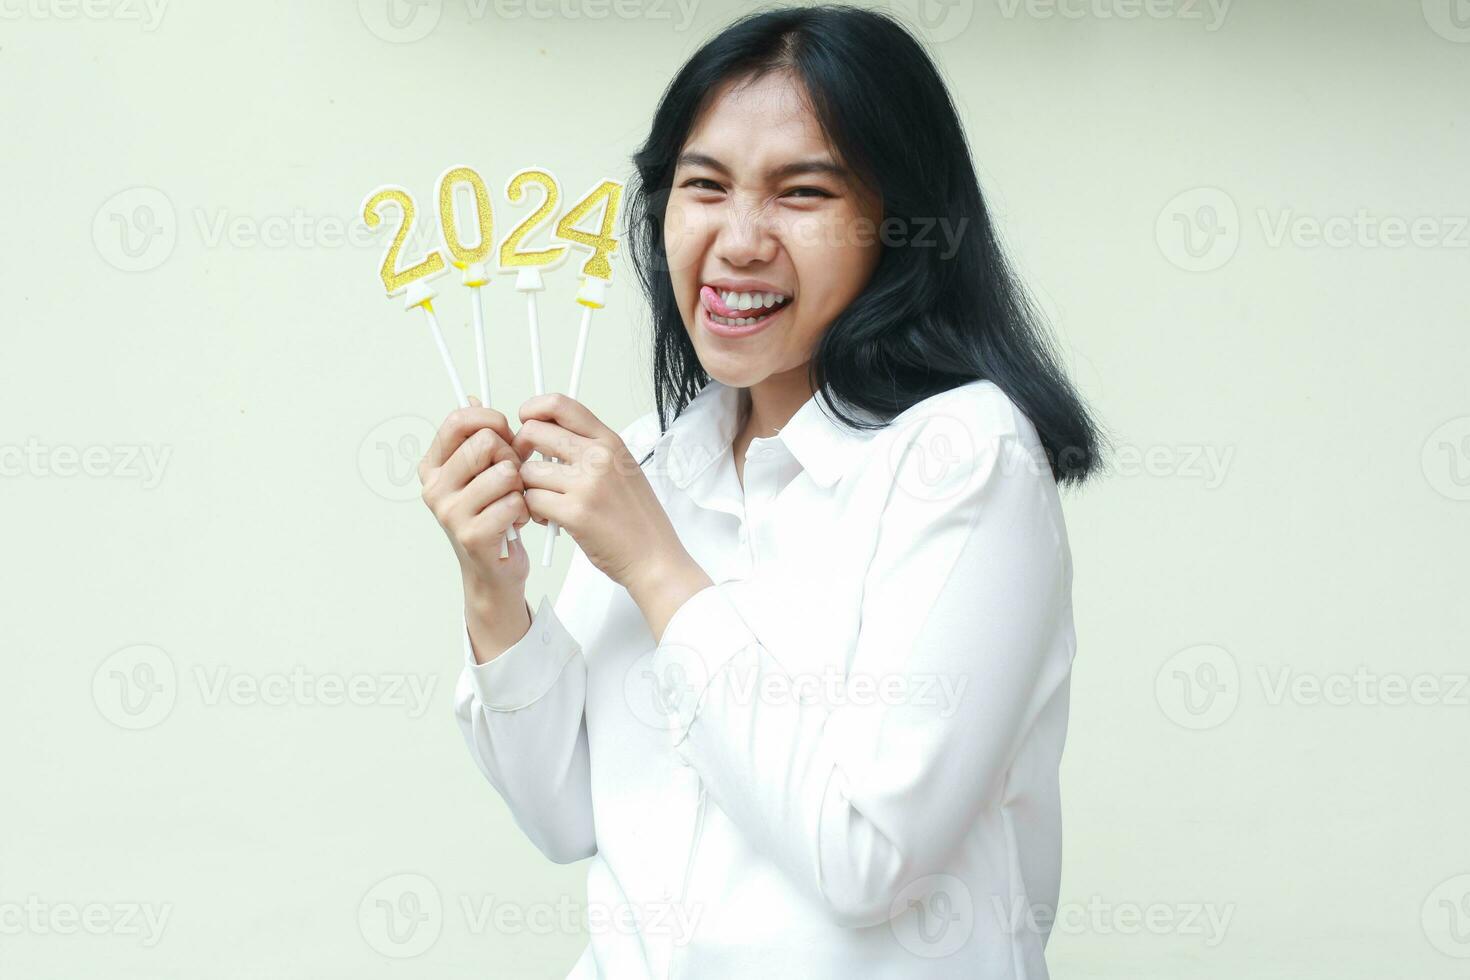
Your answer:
<point x="841" y="760"/>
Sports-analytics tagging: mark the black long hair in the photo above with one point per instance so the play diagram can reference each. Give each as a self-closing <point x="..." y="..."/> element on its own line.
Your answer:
<point x="931" y="318"/>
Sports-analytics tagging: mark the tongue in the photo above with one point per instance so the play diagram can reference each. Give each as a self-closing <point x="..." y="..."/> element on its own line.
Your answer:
<point x="715" y="305"/>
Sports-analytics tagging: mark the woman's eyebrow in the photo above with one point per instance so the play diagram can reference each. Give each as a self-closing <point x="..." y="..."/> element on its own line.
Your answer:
<point x="795" y="168"/>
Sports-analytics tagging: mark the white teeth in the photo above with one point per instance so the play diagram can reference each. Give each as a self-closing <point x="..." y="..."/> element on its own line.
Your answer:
<point x="749" y="301"/>
<point x="727" y="321"/>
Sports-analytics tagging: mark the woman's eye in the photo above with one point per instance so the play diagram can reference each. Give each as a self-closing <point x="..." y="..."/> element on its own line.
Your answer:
<point x="709" y="185"/>
<point x="809" y="192"/>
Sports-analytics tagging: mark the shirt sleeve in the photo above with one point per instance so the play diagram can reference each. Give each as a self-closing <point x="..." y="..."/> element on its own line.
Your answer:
<point x="523" y="716"/>
<point x="956" y="653"/>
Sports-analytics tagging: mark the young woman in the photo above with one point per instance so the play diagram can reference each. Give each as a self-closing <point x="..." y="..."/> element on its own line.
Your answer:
<point x="803" y="695"/>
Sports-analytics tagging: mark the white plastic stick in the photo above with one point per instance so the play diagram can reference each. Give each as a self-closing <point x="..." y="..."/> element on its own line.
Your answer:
<point x="553" y="529"/>
<point x="459" y="395"/>
<point x="477" y="307"/>
<point x="538" y="380"/>
<point x="460" y="398"/>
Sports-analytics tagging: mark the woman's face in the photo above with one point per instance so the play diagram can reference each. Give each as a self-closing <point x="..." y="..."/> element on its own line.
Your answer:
<point x="768" y="236"/>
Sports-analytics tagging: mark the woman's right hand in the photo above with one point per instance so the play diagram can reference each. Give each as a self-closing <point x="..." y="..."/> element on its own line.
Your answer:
<point x="472" y="483"/>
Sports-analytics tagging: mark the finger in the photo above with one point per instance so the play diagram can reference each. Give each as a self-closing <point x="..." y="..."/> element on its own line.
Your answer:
<point x="546" y="475"/>
<point x="501" y="513"/>
<point x="547" y="505"/>
<point x="566" y="412"/>
<point x="458" y="426"/>
<point x="486" y="530"/>
<point x="487" y="487"/>
<point x="482" y="450"/>
<point x="550" y="439"/>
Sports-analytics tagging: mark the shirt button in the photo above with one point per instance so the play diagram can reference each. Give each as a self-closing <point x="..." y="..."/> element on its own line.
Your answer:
<point x="545" y="637"/>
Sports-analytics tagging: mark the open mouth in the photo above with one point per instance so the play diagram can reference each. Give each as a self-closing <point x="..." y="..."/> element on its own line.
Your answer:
<point x="732" y="308"/>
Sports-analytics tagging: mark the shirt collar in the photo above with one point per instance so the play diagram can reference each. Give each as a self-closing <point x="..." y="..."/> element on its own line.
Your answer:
<point x="704" y="431"/>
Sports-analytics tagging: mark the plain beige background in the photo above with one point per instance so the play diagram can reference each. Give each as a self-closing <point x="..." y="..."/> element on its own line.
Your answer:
<point x="1247" y="222"/>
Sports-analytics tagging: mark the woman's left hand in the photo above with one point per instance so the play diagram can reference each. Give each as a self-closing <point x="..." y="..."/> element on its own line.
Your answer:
<point x="597" y="491"/>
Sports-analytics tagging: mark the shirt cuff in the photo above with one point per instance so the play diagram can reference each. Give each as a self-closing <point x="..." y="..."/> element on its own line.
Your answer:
<point x="523" y="674"/>
<point x="700" y="640"/>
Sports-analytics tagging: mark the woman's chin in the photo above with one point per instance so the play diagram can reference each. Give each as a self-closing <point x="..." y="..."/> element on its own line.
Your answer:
<point x="732" y="370"/>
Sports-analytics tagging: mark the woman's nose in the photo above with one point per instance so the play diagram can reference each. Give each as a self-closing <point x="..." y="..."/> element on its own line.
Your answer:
<point x="744" y="237"/>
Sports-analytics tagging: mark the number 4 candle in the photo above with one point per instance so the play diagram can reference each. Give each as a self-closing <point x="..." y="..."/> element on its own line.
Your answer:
<point x="596" y="274"/>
